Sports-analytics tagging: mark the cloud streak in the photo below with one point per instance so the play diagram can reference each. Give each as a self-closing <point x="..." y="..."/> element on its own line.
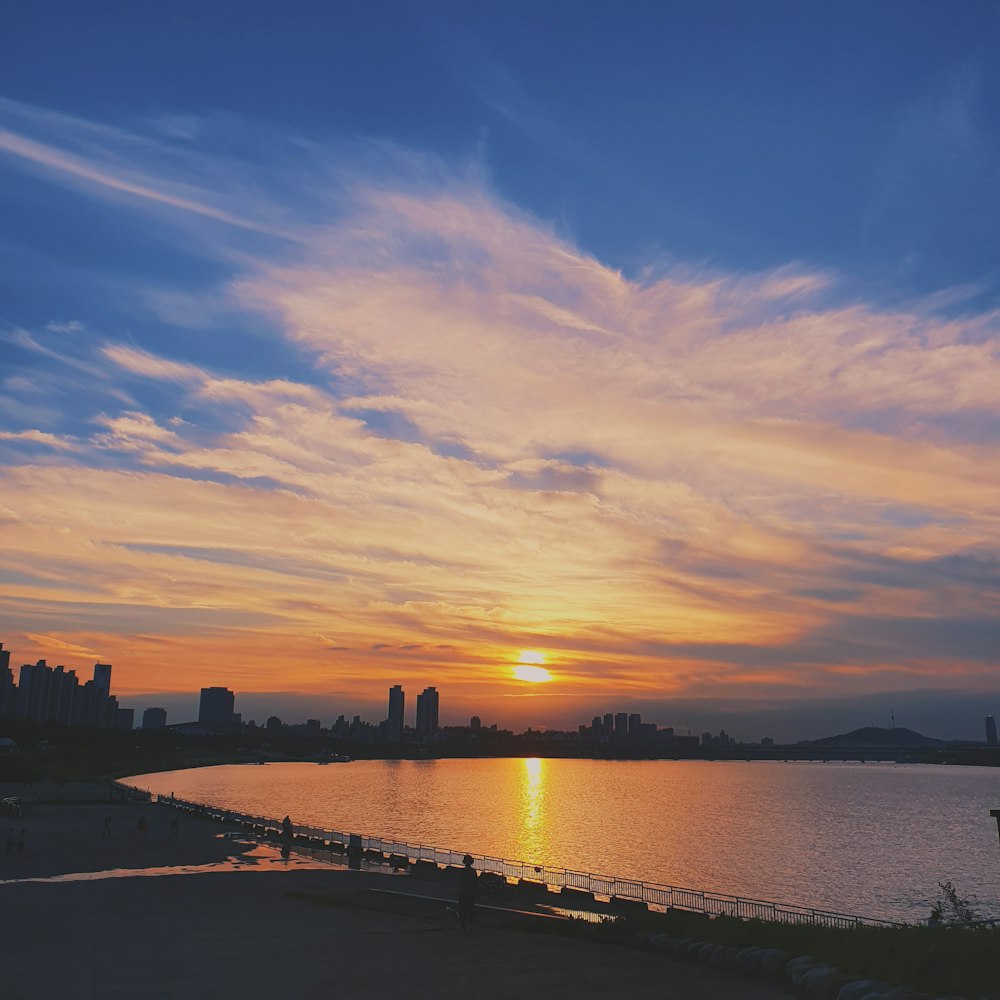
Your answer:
<point x="485" y="440"/>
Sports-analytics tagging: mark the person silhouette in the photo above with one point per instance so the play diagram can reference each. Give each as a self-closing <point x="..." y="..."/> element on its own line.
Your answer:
<point x="466" y="893"/>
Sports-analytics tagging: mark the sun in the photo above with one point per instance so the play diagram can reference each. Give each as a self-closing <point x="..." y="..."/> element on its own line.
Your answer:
<point x="534" y="675"/>
<point x="531" y="656"/>
<point x="529" y="667"/>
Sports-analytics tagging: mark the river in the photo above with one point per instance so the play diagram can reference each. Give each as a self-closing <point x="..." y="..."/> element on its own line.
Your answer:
<point x="869" y="839"/>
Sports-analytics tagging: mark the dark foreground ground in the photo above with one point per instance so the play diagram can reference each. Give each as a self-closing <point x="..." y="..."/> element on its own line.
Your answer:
<point x="271" y="929"/>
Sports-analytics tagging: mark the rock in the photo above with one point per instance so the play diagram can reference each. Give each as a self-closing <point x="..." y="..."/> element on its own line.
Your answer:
<point x="717" y="956"/>
<point x="748" y="959"/>
<point x="804" y="974"/>
<point x="774" y="961"/>
<point x="797" y="967"/>
<point x="822" y="983"/>
<point x="857" y="988"/>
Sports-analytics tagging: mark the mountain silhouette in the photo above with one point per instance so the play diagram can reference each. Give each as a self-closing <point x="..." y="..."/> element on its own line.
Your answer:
<point x="875" y="736"/>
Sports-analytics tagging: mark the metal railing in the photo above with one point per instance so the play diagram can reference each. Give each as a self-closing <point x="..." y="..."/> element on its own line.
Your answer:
<point x="523" y="872"/>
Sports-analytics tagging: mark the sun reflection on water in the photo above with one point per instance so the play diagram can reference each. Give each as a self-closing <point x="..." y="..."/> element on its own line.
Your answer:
<point x="533" y="819"/>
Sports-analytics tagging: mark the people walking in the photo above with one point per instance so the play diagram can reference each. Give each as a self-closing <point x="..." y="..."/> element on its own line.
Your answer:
<point x="466" y="893"/>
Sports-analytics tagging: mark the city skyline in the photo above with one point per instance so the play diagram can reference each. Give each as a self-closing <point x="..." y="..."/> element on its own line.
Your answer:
<point x="36" y="695"/>
<point x="646" y="357"/>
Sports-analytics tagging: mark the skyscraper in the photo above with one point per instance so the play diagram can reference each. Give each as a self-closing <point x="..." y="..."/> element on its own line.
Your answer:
<point x="154" y="718"/>
<point x="102" y="677"/>
<point x="397" y="705"/>
<point x="991" y="731"/>
<point x="33" y="690"/>
<point x="621" y="727"/>
<point x="217" y="704"/>
<point x="634" y="727"/>
<point x="8" y="691"/>
<point x="427" y="712"/>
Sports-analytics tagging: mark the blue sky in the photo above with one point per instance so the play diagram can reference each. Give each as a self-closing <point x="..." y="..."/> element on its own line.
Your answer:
<point x="856" y="136"/>
<point x="525" y="320"/>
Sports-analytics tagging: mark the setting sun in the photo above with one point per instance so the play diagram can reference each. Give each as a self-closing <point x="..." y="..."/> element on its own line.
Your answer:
<point x="534" y="675"/>
<point x="531" y="656"/>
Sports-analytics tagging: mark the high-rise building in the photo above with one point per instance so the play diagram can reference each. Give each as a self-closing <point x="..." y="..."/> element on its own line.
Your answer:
<point x="217" y="704"/>
<point x="596" y="729"/>
<point x="8" y="690"/>
<point x="634" y="727"/>
<point x="621" y="727"/>
<point x="397" y="706"/>
<point x="102" y="677"/>
<point x="428" y="704"/>
<point x="991" y="731"/>
<point x="63" y="688"/>
<point x="48" y="694"/>
<point x="33" y="690"/>
<point x="608" y="729"/>
<point x="125" y="718"/>
<point x="154" y="718"/>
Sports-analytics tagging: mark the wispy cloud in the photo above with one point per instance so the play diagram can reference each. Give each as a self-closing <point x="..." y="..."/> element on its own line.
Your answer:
<point x="679" y="483"/>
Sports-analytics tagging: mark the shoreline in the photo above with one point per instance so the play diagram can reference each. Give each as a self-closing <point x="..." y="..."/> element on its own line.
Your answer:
<point x="259" y="933"/>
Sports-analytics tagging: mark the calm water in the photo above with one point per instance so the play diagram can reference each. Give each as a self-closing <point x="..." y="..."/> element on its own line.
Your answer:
<point x="872" y="839"/>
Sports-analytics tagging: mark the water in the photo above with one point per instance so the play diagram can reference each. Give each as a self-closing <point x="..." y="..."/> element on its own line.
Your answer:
<point x="261" y="859"/>
<point x="868" y="839"/>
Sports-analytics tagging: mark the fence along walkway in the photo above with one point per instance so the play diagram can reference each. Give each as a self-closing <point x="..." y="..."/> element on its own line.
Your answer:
<point x="563" y="879"/>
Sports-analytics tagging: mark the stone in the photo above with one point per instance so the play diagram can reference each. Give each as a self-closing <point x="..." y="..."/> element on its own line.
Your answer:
<point x="748" y="959"/>
<point x="797" y="967"/>
<point x="774" y="960"/>
<point x="717" y="956"/>
<point x="822" y="983"/>
<point x="704" y="953"/>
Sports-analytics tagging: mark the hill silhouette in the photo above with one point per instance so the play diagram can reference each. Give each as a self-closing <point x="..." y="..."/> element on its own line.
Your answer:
<point x="875" y="736"/>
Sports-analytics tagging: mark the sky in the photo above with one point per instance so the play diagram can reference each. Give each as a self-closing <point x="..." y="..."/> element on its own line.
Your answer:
<point x="657" y="345"/>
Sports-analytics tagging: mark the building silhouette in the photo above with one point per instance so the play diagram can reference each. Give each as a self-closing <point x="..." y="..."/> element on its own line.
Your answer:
<point x="217" y="704"/>
<point x="397" y="706"/>
<point x="634" y="727"/>
<point x="621" y="727"/>
<point x="55" y="694"/>
<point x="154" y="718"/>
<point x="991" y="731"/>
<point x="8" y="689"/>
<point x="428" y="705"/>
<point x="102" y="677"/>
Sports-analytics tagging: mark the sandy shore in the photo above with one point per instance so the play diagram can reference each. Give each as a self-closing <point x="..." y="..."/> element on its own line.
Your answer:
<point x="264" y="928"/>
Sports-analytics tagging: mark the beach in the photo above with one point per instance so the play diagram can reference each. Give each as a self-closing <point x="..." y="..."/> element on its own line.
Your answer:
<point x="194" y="913"/>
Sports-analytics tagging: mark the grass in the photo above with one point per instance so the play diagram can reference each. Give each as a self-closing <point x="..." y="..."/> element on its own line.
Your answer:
<point x="940" y="961"/>
<point x="936" y="960"/>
